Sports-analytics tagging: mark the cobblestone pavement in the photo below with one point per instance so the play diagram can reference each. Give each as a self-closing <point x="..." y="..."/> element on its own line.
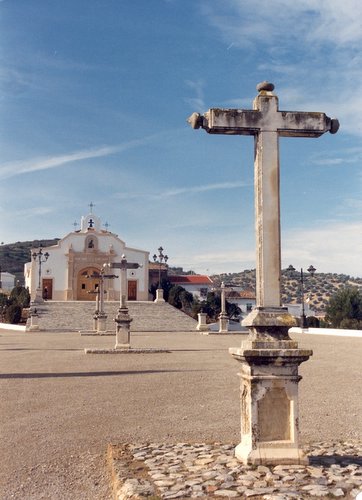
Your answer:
<point x="210" y="470"/>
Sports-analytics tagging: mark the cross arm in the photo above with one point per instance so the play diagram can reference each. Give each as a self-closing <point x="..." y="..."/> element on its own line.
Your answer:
<point x="251" y="122"/>
<point x="305" y="124"/>
<point x="227" y="121"/>
<point x="125" y="265"/>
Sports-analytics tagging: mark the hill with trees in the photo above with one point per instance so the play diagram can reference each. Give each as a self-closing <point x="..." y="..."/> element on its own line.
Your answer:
<point x="318" y="289"/>
<point x="13" y="256"/>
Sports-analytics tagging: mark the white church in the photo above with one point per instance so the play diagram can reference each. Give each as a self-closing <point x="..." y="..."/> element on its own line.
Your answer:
<point x="71" y="269"/>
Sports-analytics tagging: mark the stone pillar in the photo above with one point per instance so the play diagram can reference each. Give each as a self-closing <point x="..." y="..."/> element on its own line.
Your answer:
<point x="202" y="325"/>
<point x="223" y="318"/>
<point x="159" y="295"/>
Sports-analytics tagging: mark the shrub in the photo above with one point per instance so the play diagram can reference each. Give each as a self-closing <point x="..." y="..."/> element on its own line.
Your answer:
<point x="13" y="314"/>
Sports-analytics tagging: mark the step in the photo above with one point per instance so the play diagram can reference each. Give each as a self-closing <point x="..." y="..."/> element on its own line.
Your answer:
<point x="146" y="316"/>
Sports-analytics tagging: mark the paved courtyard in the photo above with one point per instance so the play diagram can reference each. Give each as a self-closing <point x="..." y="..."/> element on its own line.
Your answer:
<point x="61" y="408"/>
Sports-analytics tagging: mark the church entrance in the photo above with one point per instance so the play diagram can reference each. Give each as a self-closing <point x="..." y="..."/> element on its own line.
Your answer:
<point x="87" y="284"/>
<point x="132" y="290"/>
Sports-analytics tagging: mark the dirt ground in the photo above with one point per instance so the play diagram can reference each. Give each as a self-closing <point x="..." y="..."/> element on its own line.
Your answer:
<point x="60" y="408"/>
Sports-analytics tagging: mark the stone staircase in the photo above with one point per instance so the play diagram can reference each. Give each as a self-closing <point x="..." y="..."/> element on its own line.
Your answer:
<point x="147" y="316"/>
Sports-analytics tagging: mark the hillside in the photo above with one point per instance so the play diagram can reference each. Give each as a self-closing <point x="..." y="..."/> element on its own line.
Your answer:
<point x="13" y="256"/>
<point x="318" y="288"/>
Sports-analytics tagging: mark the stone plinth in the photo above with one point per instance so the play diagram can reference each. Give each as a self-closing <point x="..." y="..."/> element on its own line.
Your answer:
<point x="223" y="323"/>
<point x="123" y="321"/>
<point x="269" y="390"/>
<point x="101" y="323"/>
<point x="34" y="322"/>
<point x="202" y="325"/>
<point x="159" y="295"/>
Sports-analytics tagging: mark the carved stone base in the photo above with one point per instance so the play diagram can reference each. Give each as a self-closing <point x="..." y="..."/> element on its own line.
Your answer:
<point x="269" y="389"/>
<point x="202" y="326"/>
<point x="223" y="323"/>
<point x="101" y="322"/>
<point x="123" y="321"/>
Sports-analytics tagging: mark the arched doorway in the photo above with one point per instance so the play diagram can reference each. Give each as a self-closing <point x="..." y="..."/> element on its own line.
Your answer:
<point x="87" y="283"/>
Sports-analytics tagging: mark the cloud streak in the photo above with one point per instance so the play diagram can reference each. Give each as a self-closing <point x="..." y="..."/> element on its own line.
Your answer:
<point x="187" y="190"/>
<point x="14" y="168"/>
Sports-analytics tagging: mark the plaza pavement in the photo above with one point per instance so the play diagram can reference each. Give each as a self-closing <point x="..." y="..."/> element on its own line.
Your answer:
<point x="60" y="408"/>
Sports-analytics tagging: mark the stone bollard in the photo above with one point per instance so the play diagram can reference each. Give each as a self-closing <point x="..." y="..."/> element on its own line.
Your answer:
<point x="202" y="325"/>
<point x="34" y="321"/>
<point x="159" y="296"/>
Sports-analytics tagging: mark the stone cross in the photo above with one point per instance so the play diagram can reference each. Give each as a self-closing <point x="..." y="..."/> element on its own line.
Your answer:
<point x="269" y="357"/>
<point x="266" y="123"/>
<point x="123" y="266"/>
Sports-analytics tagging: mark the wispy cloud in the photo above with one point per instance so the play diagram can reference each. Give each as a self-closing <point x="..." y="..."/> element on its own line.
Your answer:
<point x="14" y="168"/>
<point x="203" y="188"/>
<point x="312" y="47"/>
<point x="180" y="191"/>
<point x="273" y="22"/>
<point x="196" y="102"/>
<point x="308" y="246"/>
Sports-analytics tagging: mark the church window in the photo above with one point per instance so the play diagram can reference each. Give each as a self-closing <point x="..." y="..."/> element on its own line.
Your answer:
<point x="83" y="286"/>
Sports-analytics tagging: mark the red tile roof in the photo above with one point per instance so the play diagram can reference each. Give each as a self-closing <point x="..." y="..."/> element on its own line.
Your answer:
<point x="188" y="279"/>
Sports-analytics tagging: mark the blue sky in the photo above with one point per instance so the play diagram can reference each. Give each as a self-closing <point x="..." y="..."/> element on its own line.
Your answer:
<point x="94" y="99"/>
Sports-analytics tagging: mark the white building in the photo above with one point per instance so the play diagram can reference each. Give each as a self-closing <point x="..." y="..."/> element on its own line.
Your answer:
<point x="67" y="273"/>
<point x="196" y="284"/>
<point x="244" y="299"/>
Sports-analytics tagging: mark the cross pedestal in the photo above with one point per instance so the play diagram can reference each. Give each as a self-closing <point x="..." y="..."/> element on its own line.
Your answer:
<point x="269" y="357"/>
<point x="123" y="319"/>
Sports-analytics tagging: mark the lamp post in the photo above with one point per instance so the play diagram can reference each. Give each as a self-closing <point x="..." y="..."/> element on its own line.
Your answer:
<point x="41" y="258"/>
<point x="311" y="269"/>
<point x="161" y="258"/>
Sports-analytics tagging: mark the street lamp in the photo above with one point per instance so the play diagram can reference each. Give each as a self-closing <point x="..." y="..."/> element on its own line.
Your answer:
<point x="161" y="258"/>
<point x="311" y="269"/>
<point x="41" y="258"/>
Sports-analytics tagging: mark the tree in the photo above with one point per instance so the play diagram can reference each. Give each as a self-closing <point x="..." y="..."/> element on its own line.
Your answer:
<point x="344" y="309"/>
<point x="181" y="298"/>
<point x="20" y="295"/>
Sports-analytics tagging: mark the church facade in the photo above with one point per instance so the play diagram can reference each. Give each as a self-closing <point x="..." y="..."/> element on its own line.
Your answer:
<point x="71" y="271"/>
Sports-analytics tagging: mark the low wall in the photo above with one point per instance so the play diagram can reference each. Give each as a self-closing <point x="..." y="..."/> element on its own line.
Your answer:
<point x="8" y="326"/>
<point x="327" y="331"/>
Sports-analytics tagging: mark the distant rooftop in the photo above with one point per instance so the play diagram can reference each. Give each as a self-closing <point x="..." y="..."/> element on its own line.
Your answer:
<point x="194" y="279"/>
